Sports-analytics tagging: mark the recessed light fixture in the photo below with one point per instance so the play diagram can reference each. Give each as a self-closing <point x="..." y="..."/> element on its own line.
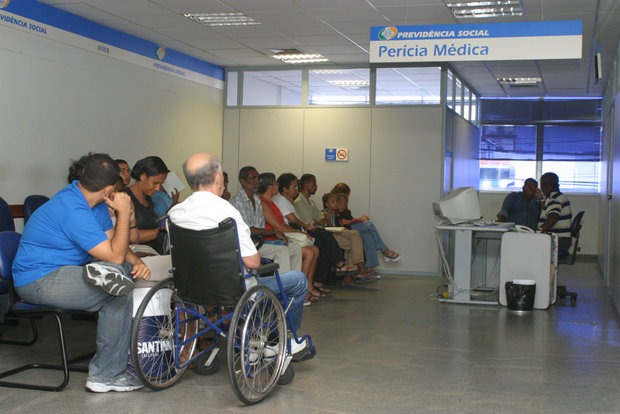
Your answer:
<point x="519" y="82"/>
<point x="222" y="19"/>
<point x="480" y="9"/>
<point x="294" y="56"/>
<point x="358" y="83"/>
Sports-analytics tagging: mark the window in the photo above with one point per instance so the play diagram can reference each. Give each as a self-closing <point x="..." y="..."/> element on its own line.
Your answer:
<point x="419" y="85"/>
<point x="282" y="87"/>
<point x="511" y="153"/>
<point x="232" y="79"/>
<point x="339" y="87"/>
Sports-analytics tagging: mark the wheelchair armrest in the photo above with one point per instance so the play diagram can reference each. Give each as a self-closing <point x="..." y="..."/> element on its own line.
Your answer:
<point x="265" y="268"/>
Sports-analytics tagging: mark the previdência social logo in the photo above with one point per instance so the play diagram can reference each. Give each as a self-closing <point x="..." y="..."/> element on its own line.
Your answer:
<point x="388" y="33"/>
<point x="161" y="53"/>
<point x="4" y="3"/>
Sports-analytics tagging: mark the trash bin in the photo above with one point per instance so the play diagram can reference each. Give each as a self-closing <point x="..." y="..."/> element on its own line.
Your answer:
<point x="520" y="294"/>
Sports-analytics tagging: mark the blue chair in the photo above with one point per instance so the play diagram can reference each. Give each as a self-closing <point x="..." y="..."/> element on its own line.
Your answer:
<point x="9" y="241"/>
<point x="31" y="203"/>
<point x="6" y="218"/>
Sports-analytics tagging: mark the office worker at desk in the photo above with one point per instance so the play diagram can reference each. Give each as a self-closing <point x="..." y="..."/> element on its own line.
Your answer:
<point x="556" y="215"/>
<point x="522" y="207"/>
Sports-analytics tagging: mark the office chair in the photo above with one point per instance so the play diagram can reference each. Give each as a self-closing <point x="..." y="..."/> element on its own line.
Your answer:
<point x="568" y="256"/>
<point x="31" y="203"/>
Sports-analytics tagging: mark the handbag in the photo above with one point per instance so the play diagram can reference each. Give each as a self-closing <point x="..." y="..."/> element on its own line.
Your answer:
<point x="300" y="239"/>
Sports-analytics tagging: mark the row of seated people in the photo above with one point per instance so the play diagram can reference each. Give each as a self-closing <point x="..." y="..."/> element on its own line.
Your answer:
<point x="74" y="254"/>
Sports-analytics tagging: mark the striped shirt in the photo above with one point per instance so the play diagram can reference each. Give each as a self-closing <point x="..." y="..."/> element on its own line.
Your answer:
<point x="557" y="203"/>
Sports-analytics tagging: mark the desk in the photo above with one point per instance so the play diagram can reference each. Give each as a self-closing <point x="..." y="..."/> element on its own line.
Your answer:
<point x="463" y="248"/>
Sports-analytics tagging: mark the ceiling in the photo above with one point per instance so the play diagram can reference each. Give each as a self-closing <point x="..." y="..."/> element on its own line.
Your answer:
<point x="339" y="30"/>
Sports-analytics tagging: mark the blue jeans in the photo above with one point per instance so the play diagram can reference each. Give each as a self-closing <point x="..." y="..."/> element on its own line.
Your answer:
<point x="66" y="289"/>
<point x="295" y="286"/>
<point x="372" y="241"/>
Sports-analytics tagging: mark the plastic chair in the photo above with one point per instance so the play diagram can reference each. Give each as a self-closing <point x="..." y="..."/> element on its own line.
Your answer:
<point x="9" y="241"/>
<point x="6" y="218"/>
<point x="31" y="203"/>
<point x="568" y="256"/>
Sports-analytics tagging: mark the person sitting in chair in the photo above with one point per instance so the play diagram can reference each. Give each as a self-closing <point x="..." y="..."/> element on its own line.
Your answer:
<point x="205" y="209"/>
<point x="52" y="266"/>
<point x="556" y="215"/>
<point x="522" y="207"/>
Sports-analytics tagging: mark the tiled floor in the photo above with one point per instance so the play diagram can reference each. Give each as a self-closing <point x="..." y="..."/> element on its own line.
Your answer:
<point x="394" y="349"/>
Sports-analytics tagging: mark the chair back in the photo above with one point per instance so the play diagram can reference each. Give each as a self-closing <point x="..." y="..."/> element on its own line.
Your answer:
<point x="9" y="241"/>
<point x="206" y="264"/>
<point x="575" y="230"/>
<point x="31" y="203"/>
<point x="6" y="218"/>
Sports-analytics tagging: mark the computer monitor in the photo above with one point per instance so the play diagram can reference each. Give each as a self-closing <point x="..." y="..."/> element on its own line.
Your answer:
<point x="460" y="206"/>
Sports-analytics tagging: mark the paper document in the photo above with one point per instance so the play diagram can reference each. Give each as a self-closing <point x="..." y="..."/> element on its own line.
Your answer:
<point x="172" y="183"/>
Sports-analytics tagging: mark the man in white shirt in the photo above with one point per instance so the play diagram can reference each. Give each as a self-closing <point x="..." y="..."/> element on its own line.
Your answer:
<point x="205" y="209"/>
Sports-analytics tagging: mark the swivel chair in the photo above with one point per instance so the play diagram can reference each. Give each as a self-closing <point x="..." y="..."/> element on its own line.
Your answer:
<point x="568" y="256"/>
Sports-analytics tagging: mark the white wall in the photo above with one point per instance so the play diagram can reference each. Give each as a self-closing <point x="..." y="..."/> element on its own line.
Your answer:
<point x="394" y="167"/>
<point x="60" y="102"/>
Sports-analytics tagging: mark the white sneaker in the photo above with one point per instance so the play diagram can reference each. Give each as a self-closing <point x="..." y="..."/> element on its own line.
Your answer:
<point x="268" y="353"/>
<point x="297" y="347"/>
<point x="124" y="383"/>
<point x="111" y="280"/>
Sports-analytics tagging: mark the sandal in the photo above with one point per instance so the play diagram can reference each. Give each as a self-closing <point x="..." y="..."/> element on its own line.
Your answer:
<point x="390" y="255"/>
<point x="311" y="298"/>
<point x="316" y="294"/>
<point x="342" y="267"/>
<point x="322" y="289"/>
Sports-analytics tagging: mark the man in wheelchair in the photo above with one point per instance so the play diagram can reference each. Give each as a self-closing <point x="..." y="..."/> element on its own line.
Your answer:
<point x="205" y="209"/>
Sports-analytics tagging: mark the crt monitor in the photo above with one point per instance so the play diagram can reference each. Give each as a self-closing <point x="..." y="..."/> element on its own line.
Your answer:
<point x="460" y="206"/>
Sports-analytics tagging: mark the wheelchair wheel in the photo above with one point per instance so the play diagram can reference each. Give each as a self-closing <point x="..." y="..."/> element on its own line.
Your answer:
<point x="256" y="344"/>
<point x="153" y="337"/>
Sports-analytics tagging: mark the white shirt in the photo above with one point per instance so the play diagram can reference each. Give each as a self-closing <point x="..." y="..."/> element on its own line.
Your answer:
<point x="204" y="210"/>
<point x="284" y="205"/>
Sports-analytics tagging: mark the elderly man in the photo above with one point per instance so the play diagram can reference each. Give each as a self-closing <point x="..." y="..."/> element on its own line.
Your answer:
<point x="246" y="201"/>
<point x="522" y="207"/>
<point x="52" y="265"/>
<point x="556" y="216"/>
<point x="205" y="208"/>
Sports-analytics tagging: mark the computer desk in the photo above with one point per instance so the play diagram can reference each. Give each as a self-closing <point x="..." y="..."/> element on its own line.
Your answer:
<point x="463" y="248"/>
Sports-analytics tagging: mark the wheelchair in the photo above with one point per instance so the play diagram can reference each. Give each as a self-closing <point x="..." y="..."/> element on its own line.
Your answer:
<point x="208" y="282"/>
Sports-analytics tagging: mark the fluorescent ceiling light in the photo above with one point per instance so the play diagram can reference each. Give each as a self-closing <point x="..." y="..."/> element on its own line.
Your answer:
<point x="519" y="81"/>
<point x="480" y="9"/>
<point x="294" y="56"/>
<point x="350" y="83"/>
<point x="222" y="19"/>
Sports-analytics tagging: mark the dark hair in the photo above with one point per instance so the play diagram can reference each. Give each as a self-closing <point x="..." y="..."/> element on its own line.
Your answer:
<point x="285" y="180"/>
<point x="326" y="198"/>
<point x="530" y="180"/>
<point x="304" y="179"/>
<point x="341" y="188"/>
<point x="551" y="179"/>
<point x="76" y="169"/>
<point x="243" y="172"/>
<point x="265" y="179"/>
<point x="97" y="171"/>
<point x="150" y="166"/>
<point x="121" y="161"/>
<point x="203" y="175"/>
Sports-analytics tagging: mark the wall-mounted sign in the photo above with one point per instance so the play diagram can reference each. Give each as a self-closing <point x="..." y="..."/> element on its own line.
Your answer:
<point x="336" y="154"/>
<point x="469" y="42"/>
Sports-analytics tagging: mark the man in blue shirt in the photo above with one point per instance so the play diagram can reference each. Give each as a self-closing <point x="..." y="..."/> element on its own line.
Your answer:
<point x="522" y="207"/>
<point x="53" y="265"/>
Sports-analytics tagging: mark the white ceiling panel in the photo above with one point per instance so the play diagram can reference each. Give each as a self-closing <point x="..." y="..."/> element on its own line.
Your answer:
<point x="339" y="30"/>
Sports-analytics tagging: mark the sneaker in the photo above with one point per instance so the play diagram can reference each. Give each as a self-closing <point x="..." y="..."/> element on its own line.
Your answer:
<point x="269" y="352"/>
<point x="297" y="347"/>
<point x="126" y="382"/>
<point x="111" y="280"/>
<point x="301" y="352"/>
<point x="307" y="302"/>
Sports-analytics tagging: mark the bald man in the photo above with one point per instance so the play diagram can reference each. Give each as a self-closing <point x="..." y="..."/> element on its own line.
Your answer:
<point x="205" y="209"/>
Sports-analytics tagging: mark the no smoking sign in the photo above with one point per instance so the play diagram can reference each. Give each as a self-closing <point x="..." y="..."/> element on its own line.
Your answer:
<point x="336" y="154"/>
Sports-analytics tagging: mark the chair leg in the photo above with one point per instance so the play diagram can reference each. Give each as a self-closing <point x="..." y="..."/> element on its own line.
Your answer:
<point x="562" y="292"/>
<point x="64" y="366"/>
